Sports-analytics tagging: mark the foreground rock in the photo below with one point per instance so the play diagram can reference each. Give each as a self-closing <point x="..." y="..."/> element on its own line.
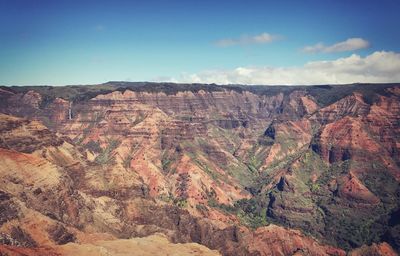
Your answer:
<point x="147" y="246"/>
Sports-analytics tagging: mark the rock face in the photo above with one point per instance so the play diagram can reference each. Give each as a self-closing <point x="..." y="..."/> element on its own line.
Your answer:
<point x="281" y="241"/>
<point x="374" y="249"/>
<point x="152" y="245"/>
<point x="216" y="166"/>
<point x="24" y="135"/>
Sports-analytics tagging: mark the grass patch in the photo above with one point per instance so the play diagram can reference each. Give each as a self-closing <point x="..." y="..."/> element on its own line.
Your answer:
<point x="106" y="157"/>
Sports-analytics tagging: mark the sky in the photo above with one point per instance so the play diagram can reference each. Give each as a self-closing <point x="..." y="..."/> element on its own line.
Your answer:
<point x="55" y="42"/>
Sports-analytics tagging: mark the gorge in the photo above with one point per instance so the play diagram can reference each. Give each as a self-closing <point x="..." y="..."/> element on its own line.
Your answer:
<point x="200" y="169"/>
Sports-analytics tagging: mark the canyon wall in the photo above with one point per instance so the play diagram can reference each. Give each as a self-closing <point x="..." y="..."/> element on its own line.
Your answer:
<point x="243" y="172"/>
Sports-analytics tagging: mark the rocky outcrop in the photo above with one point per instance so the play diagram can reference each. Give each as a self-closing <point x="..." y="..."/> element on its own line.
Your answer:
<point x="274" y="240"/>
<point x="24" y="135"/>
<point x="352" y="105"/>
<point x="152" y="245"/>
<point x="352" y="189"/>
<point x="374" y="249"/>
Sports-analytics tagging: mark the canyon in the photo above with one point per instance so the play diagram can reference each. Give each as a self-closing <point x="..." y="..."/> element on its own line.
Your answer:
<point x="200" y="169"/>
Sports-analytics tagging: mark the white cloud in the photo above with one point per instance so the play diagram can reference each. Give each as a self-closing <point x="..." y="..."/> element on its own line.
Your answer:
<point x="378" y="67"/>
<point x="350" y="44"/>
<point x="262" y="38"/>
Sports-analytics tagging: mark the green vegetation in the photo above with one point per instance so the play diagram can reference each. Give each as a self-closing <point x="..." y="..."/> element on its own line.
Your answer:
<point x="165" y="163"/>
<point x="315" y="187"/>
<point x="201" y="208"/>
<point x="181" y="203"/>
<point x="338" y="221"/>
<point x="265" y="141"/>
<point x="128" y="158"/>
<point x="192" y="150"/>
<point x="250" y="212"/>
<point x="335" y="170"/>
<point x="106" y="157"/>
<point x="255" y="158"/>
<point x="92" y="119"/>
<point x="168" y="160"/>
<point x="381" y="183"/>
<point x="213" y="174"/>
<point x="310" y="164"/>
<point x="94" y="146"/>
<point x="251" y="220"/>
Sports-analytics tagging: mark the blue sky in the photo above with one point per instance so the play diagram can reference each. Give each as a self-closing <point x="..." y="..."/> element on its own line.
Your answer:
<point x="86" y="42"/>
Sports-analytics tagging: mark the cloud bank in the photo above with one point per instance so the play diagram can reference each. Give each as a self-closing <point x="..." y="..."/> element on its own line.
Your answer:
<point x="262" y="38"/>
<point x="350" y="44"/>
<point x="378" y="67"/>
